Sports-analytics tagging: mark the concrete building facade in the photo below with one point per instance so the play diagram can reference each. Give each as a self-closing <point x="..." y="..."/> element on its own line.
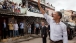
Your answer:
<point x="30" y="13"/>
<point x="67" y="16"/>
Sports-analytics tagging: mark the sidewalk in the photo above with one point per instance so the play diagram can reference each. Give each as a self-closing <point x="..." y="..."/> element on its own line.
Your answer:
<point x="33" y="36"/>
<point x="20" y="39"/>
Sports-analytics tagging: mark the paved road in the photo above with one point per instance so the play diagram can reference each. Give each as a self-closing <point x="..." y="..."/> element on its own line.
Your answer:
<point x="39" y="40"/>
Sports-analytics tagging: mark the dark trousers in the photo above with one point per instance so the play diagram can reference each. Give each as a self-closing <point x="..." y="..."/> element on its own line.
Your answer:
<point x="37" y="31"/>
<point x="4" y="33"/>
<point x="32" y="31"/>
<point x="44" y="39"/>
<point x="56" y="41"/>
<point x="11" y="33"/>
<point x="22" y="32"/>
<point x="16" y="33"/>
<point x="49" y="34"/>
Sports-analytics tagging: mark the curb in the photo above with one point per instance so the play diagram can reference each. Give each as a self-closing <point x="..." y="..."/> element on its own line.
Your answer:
<point x="24" y="38"/>
<point x="30" y="38"/>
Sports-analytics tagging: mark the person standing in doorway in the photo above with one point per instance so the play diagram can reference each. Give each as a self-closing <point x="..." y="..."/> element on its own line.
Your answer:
<point x="58" y="30"/>
<point x="22" y="28"/>
<point x="37" y="28"/>
<point x="29" y="29"/>
<point x="32" y="28"/>
<point x="11" y="29"/>
<point x="16" y="33"/>
<point x="43" y="32"/>
<point x="4" y="29"/>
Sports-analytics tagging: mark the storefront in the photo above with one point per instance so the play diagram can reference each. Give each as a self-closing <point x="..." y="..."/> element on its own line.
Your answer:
<point x="2" y="18"/>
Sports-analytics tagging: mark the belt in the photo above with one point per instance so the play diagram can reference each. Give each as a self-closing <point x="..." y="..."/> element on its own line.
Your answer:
<point x="57" y="41"/>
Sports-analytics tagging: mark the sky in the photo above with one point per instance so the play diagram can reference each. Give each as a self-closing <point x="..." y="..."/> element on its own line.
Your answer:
<point x="63" y="4"/>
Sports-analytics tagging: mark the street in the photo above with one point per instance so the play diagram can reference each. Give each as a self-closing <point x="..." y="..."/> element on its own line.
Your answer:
<point x="39" y="40"/>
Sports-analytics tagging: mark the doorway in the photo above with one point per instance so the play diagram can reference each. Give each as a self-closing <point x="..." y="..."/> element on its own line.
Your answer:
<point x="1" y="21"/>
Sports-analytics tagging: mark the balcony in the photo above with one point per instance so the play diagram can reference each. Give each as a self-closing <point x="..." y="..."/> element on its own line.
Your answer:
<point x="15" y="12"/>
<point x="11" y="7"/>
<point x="34" y="14"/>
<point x="48" y="5"/>
<point x="43" y="2"/>
<point x="6" y="11"/>
<point x="31" y="13"/>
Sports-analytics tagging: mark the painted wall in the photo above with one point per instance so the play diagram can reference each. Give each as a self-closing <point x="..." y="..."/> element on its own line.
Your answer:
<point x="17" y="1"/>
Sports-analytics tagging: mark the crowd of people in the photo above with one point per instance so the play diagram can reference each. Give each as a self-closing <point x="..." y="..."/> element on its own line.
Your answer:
<point x="36" y="28"/>
<point x="14" y="7"/>
<point x="16" y="30"/>
<point x="40" y="28"/>
<point x="33" y="9"/>
<point x="12" y="29"/>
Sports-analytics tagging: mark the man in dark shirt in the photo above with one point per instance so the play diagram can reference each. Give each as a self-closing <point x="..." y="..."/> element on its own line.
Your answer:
<point x="49" y="31"/>
<point x="43" y="32"/>
<point x="32" y="28"/>
<point x="4" y="29"/>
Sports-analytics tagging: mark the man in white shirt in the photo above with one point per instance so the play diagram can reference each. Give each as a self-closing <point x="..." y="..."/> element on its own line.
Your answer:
<point x="16" y="33"/>
<point x="21" y="28"/>
<point x="58" y="30"/>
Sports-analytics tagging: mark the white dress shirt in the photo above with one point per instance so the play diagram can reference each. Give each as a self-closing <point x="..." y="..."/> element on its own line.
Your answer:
<point x="15" y="26"/>
<point x="58" y="31"/>
<point x="37" y="25"/>
<point x="21" y="25"/>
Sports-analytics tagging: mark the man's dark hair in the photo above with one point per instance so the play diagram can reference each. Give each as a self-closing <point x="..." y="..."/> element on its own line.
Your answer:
<point x="60" y="14"/>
